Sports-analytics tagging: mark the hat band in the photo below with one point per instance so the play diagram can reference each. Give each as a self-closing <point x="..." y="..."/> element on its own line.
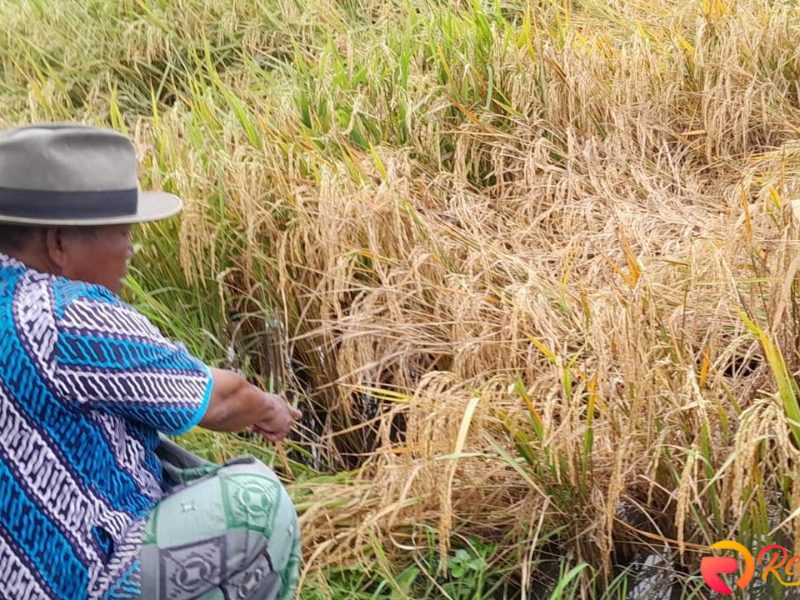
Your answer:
<point x="51" y="205"/>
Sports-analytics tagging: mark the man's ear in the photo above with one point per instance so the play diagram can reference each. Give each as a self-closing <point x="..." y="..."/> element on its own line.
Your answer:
<point x="54" y="240"/>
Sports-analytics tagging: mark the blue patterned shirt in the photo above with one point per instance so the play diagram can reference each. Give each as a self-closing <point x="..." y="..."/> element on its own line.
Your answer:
<point x="86" y="384"/>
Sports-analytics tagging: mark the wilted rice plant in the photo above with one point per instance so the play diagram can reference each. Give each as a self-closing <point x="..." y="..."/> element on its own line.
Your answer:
<point x="535" y="260"/>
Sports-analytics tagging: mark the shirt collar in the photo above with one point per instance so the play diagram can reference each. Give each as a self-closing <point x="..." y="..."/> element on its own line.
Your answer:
<point x="7" y="261"/>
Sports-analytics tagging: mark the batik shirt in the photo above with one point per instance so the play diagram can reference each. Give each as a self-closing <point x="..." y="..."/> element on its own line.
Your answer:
<point x="86" y="384"/>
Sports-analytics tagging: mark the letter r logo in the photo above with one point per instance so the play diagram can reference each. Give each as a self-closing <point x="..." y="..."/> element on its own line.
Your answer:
<point x="711" y="567"/>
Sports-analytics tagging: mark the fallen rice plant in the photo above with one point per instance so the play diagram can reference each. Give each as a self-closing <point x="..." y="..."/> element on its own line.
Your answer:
<point x="535" y="261"/>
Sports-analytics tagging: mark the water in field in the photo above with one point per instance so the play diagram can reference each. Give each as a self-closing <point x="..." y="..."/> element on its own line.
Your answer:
<point x="658" y="581"/>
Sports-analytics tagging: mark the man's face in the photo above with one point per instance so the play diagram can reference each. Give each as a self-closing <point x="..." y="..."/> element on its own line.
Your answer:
<point x="97" y="255"/>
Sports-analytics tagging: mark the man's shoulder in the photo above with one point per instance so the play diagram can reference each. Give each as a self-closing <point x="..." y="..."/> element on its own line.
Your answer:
<point x="63" y="311"/>
<point x="88" y="308"/>
<point x="66" y="293"/>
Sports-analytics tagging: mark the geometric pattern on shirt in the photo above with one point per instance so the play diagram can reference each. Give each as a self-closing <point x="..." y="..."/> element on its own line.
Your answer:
<point x="86" y="382"/>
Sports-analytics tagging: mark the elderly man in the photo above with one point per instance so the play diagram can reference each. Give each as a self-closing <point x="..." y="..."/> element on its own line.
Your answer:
<point x="93" y="502"/>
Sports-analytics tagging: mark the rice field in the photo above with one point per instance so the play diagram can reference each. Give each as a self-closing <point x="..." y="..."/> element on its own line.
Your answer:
<point x="528" y="267"/>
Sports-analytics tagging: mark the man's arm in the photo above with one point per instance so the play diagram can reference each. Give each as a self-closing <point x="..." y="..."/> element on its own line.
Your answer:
<point x="235" y="405"/>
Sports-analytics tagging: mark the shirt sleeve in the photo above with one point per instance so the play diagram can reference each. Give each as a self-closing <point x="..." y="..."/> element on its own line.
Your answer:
<point x="109" y="357"/>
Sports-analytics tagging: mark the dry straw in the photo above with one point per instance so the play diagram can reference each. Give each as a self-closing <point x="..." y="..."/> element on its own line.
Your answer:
<point x="536" y="261"/>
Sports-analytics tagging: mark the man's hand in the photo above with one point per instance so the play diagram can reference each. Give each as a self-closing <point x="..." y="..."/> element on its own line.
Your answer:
<point x="279" y="422"/>
<point x="235" y="405"/>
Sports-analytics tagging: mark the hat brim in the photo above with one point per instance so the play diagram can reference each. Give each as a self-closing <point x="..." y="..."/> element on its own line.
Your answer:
<point x="151" y="206"/>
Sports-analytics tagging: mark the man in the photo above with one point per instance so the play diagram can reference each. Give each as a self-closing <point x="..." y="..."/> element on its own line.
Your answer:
<point x="87" y="384"/>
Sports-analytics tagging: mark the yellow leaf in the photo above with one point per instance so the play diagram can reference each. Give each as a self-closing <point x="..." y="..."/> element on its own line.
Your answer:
<point x="549" y="354"/>
<point x="705" y="366"/>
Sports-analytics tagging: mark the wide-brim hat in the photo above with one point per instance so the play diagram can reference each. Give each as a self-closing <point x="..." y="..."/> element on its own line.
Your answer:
<point x="70" y="174"/>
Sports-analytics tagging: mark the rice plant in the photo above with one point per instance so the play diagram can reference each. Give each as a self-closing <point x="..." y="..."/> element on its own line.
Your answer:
<point x="534" y="260"/>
